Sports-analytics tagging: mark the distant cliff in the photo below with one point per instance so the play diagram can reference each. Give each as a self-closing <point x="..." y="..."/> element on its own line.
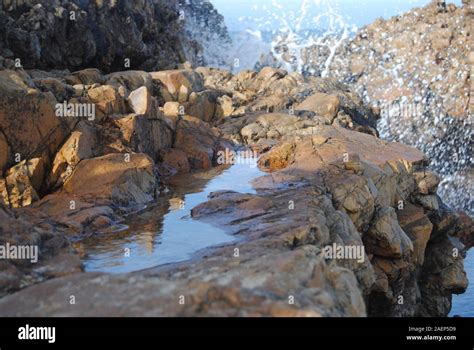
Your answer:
<point x="110" y="35"/>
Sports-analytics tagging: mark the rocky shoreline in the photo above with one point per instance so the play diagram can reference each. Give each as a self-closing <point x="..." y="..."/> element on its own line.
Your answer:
<point x="81" y="150"/>
<point x="320" y="147"/>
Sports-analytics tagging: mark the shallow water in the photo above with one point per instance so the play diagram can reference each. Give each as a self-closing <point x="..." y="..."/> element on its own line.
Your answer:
<point x="166" y="233"/>
<point x="463" y="304"/>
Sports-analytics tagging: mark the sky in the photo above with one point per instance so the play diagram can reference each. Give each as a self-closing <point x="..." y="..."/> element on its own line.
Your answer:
<point x="242" y="14"/>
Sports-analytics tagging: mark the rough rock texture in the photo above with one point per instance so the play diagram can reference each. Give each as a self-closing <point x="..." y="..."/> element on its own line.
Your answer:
<point x="281" y="269"/>
<point x="417" y="68"/>
<point x="109" y="35"/>
<point x="331" y="181"/>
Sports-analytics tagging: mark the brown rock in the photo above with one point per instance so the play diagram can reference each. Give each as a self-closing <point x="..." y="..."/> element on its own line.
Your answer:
<point x="202" y="105"/>
<point x="80" y="145"/>
<point x="176" y="159"/>
<point x="427" y="182"/>
<point x="125" y="179"/>
<point x="172" y="81"/>
<point x="88" y="76"/>
<point x="107" y="100"/>
<point x="418" y="227"/>
<point x="198" y="141"/>
<point x="131" y="80"/>
<point x="145" y="135"/>
<point x="224" y="107"/>
<point x="386" y="238"/>
<point x="24" y="180"/>
<point x="28" y="120"/>
<point x="322" y="104"/>
<point x="4" y="152"/>
<point x="4" y="198"/>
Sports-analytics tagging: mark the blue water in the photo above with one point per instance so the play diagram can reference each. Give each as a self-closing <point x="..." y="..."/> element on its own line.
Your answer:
<point x="167" y="233"/>
<point x="463" y="304"/>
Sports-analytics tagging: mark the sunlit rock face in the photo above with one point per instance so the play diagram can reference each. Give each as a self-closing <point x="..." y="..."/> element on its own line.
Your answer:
<point x="417" y="68"/>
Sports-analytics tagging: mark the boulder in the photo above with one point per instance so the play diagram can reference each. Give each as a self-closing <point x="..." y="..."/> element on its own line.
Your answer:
<point x="176" y="160"/>
<point x="62" y="92"/>
<point x="198" y="140"/>
<point x="418" y="228"/>
<point x="23" y="181"/>
<point x="131" y="80"/>
<point x="4" y="197"/>
<point x="173" y="80"/>
<point x="79" y="146"/>
<point x="140" y="101"/>
<point x="202" y="105"/>
<point x="427" y="182"/>
<point x="145" y="135"/>
<point x="124" y="179"/>
<point x="225" y="107"/>
<point x="107" y="100"/>
<point x="323" y="105"/>
<point x="386" y="238"/>
<point x="89" y="76"/>
<point x="28" y="120"/>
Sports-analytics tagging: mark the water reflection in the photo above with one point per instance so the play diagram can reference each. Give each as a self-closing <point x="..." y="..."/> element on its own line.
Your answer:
<point x="165" y="232"/>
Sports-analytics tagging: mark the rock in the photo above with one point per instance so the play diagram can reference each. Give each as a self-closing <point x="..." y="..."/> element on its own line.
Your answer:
<point x="418" y="227"/>
<point x="224" y="107"/>
<point x="80" y="145"/>
<point x="427" y="182"/>
<point x="61" y="91"/>
<point x="202" y="105"/>
<point x="43" y="36"/>
<point x="411" y="78"/>
<point x="321" y="104"/>
<point x="4" y="152"/>
<point x="176" y="159"/>
<point x="198" y="141"/>
<point x="4" y="197"/>
<point x="172" y="112"/>
<point x="88" y="76"/>
<point x="172" y="109"/>
<point x="183" y="94"/>
<point x="173" y="80"/>
<point x="386" y="238"/>
<point x="125" y="179"/>
<point x="145" y="135"/>
<point x="429" y="202"/>
<point x="107" y="100"/>
<point x="465" y="230"/>
<point x="28" y="119"/>
<point x="445" y="276"/>
<point x="23" y="181"/>
<point x="131" y="80"/>
<point x="139" y="101"/>
<point x="280" y="157"/>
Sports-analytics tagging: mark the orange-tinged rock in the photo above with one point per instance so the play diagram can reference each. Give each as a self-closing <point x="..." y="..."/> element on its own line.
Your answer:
<point x="172" y="81"/>
<point x="124" y="178"/>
